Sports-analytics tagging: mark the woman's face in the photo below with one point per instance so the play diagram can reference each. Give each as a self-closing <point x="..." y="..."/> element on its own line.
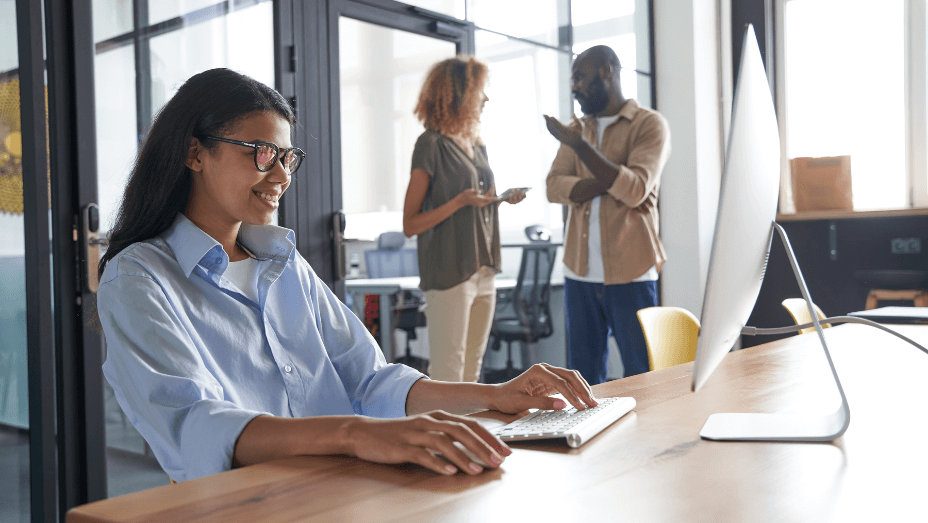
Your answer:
<point x="227" y="186"/>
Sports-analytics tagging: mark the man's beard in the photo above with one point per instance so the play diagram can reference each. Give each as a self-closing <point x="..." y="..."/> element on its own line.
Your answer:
<point x="595" y="99"/>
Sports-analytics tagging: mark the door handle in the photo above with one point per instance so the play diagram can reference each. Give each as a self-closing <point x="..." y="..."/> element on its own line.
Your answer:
<point x="338" y="237"/>
<point x="339" y="258"/>
<point x="90" y="246"/>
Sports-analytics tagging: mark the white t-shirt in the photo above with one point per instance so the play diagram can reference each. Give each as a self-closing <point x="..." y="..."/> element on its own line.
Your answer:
<point x="242" y="274"/>
<point x="595" y="271"/>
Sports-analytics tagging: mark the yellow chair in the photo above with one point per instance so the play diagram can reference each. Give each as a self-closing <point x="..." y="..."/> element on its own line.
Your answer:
<point x="670" y="334"/>
<point x="800" y="313"/>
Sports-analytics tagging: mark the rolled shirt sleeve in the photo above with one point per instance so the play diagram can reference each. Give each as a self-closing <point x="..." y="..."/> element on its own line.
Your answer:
<point x="563" y="176"/>
<point x="639" y="176"/>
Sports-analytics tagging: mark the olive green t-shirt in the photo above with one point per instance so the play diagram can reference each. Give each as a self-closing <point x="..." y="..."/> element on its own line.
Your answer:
<point x="456" y="248"/>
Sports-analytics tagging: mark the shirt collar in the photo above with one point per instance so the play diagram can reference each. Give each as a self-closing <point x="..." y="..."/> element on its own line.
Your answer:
<point x="268" y="241"/>
<point x="193" y="247"/>
<point x="628" y="111"/>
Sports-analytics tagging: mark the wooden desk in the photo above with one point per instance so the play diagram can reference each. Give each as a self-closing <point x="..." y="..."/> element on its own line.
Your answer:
<point x="649" y="466"/>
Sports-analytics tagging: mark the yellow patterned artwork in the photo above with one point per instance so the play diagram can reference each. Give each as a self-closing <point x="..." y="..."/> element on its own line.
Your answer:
<point x="11" y="149"/>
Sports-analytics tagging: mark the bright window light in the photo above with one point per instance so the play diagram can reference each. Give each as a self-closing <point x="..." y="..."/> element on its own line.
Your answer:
<point x="591" y="11"/>
<point x="845" y="92"/>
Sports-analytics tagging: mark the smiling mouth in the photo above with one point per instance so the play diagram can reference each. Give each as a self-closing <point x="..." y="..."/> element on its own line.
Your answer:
<point x="267" y="197"/>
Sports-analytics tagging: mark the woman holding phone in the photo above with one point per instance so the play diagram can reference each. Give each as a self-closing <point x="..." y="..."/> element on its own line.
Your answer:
<point x="451" y="204"/>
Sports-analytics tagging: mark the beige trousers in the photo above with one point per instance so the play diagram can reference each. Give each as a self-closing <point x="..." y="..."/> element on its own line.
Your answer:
<point x="459" y="321"/>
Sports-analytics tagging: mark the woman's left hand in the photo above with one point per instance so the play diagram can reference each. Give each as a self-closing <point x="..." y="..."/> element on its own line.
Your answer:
<point x="532" y="388"/>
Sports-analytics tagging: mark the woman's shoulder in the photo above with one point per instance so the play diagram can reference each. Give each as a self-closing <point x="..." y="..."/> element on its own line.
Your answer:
<point x="430" y="138"/>
<point x="144" y="258"/>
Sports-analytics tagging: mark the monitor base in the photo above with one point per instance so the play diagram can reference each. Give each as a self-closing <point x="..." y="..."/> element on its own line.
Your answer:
<point x="784" y="427"/>
<point x="774" y="427"/>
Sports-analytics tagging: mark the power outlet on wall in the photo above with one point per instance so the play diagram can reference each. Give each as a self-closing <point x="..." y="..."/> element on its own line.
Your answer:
<point x="906" y="245"/>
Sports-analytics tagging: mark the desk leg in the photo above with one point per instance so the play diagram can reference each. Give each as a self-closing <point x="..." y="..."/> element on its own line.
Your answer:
<point x="386" y="327"/>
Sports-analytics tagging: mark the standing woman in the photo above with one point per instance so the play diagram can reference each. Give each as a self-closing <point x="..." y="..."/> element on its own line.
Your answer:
<point x="225" y="349"/>
<point x="451" y="205"/>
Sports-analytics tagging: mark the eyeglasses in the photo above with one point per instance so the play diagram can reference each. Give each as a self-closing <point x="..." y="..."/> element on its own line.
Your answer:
<point x="267" y="153"/>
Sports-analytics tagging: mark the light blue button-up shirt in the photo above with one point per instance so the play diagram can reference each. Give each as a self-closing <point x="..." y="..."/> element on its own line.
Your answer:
<point x="192" y="360"/>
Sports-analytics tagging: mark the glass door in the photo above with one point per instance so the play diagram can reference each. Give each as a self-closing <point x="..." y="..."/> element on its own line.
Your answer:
<point x="380" y="70"/>
<point x="383" y="57"/>
<point x="14" y="378"/>
<point x="28" y="449"/>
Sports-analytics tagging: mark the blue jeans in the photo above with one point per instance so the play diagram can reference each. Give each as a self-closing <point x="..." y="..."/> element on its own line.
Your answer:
<point x="596" y="311"/>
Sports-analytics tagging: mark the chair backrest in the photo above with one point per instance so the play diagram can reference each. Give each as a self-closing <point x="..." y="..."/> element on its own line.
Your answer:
<point x="532" y="295"/>
<point x="670" y="334"/>
<point x="391" y="240"/>
<point x="538" y="234"/>
<point x="800" y="312"/>
<point x="391" y="263"/>
<point x="390" y="259"/>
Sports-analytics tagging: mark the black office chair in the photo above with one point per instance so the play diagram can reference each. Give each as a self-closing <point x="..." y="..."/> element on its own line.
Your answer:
<point x="391" y="260"/>
<point x="523" y="314"/>
<point x="538" y="234"/>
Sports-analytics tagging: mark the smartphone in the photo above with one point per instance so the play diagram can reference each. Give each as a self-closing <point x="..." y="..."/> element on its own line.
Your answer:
<point x="509" y="192"/>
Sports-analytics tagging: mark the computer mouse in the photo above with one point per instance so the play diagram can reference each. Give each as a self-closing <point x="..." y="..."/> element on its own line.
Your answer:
<point x="470" y="455"/>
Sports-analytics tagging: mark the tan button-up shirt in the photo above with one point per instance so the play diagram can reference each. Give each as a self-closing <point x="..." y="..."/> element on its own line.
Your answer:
<point x="639" y="143"/>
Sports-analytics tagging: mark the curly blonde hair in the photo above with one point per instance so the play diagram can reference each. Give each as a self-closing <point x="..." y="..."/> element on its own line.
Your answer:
<point x="451" y="98"/>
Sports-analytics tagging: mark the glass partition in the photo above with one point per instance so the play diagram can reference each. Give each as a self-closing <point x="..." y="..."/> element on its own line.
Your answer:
<point x="242" y="40"/>
<point x="117" y="127"/>
<point x="161" y="10"/>
<point x="623" y="25"/>
<point x="111" y="18"/>
<point x="537" y="20"/>
<point x="525" y="83"/>
<point x="14" y="386"/>
<point x="381" y="72"/>
<point x="453" y="8"/>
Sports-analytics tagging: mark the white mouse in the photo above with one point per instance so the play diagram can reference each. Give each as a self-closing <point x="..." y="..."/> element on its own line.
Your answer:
<point x="470" y="455"/>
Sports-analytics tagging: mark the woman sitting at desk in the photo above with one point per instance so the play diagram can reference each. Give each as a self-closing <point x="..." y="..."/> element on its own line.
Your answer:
<point x="451" y="205"/>
<point x="223" y="346"/>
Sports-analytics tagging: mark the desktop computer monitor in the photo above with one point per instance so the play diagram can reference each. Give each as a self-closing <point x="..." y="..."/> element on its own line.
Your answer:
<point x="741" y="245"/>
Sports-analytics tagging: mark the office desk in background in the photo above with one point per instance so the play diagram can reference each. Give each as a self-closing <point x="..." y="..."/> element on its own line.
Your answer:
<point x="384" y="288"/>
<point x="649" y="466"/>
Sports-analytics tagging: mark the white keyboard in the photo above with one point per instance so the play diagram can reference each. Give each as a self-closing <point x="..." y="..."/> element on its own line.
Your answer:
<point x="577" y="426"/>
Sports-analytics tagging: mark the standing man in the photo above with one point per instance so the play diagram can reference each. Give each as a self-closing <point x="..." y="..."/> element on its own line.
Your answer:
<point x="608" y="171"/>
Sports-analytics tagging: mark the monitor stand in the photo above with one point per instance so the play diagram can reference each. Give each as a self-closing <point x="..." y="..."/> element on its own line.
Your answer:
<point x="784" y="427"/>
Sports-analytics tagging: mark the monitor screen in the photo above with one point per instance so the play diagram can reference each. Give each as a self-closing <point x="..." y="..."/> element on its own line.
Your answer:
<point x="746" y="212"/>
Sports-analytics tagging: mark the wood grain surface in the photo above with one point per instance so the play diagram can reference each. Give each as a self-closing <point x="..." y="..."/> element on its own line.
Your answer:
<point x="649" y="466"/>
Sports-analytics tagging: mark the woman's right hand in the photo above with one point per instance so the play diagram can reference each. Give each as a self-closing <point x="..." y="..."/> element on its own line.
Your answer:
<point x="475" y="198"/>
<point x="416" y="439"/>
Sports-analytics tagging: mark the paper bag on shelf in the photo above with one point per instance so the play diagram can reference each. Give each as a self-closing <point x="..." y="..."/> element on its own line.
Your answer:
<point x="822" y="184"/>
